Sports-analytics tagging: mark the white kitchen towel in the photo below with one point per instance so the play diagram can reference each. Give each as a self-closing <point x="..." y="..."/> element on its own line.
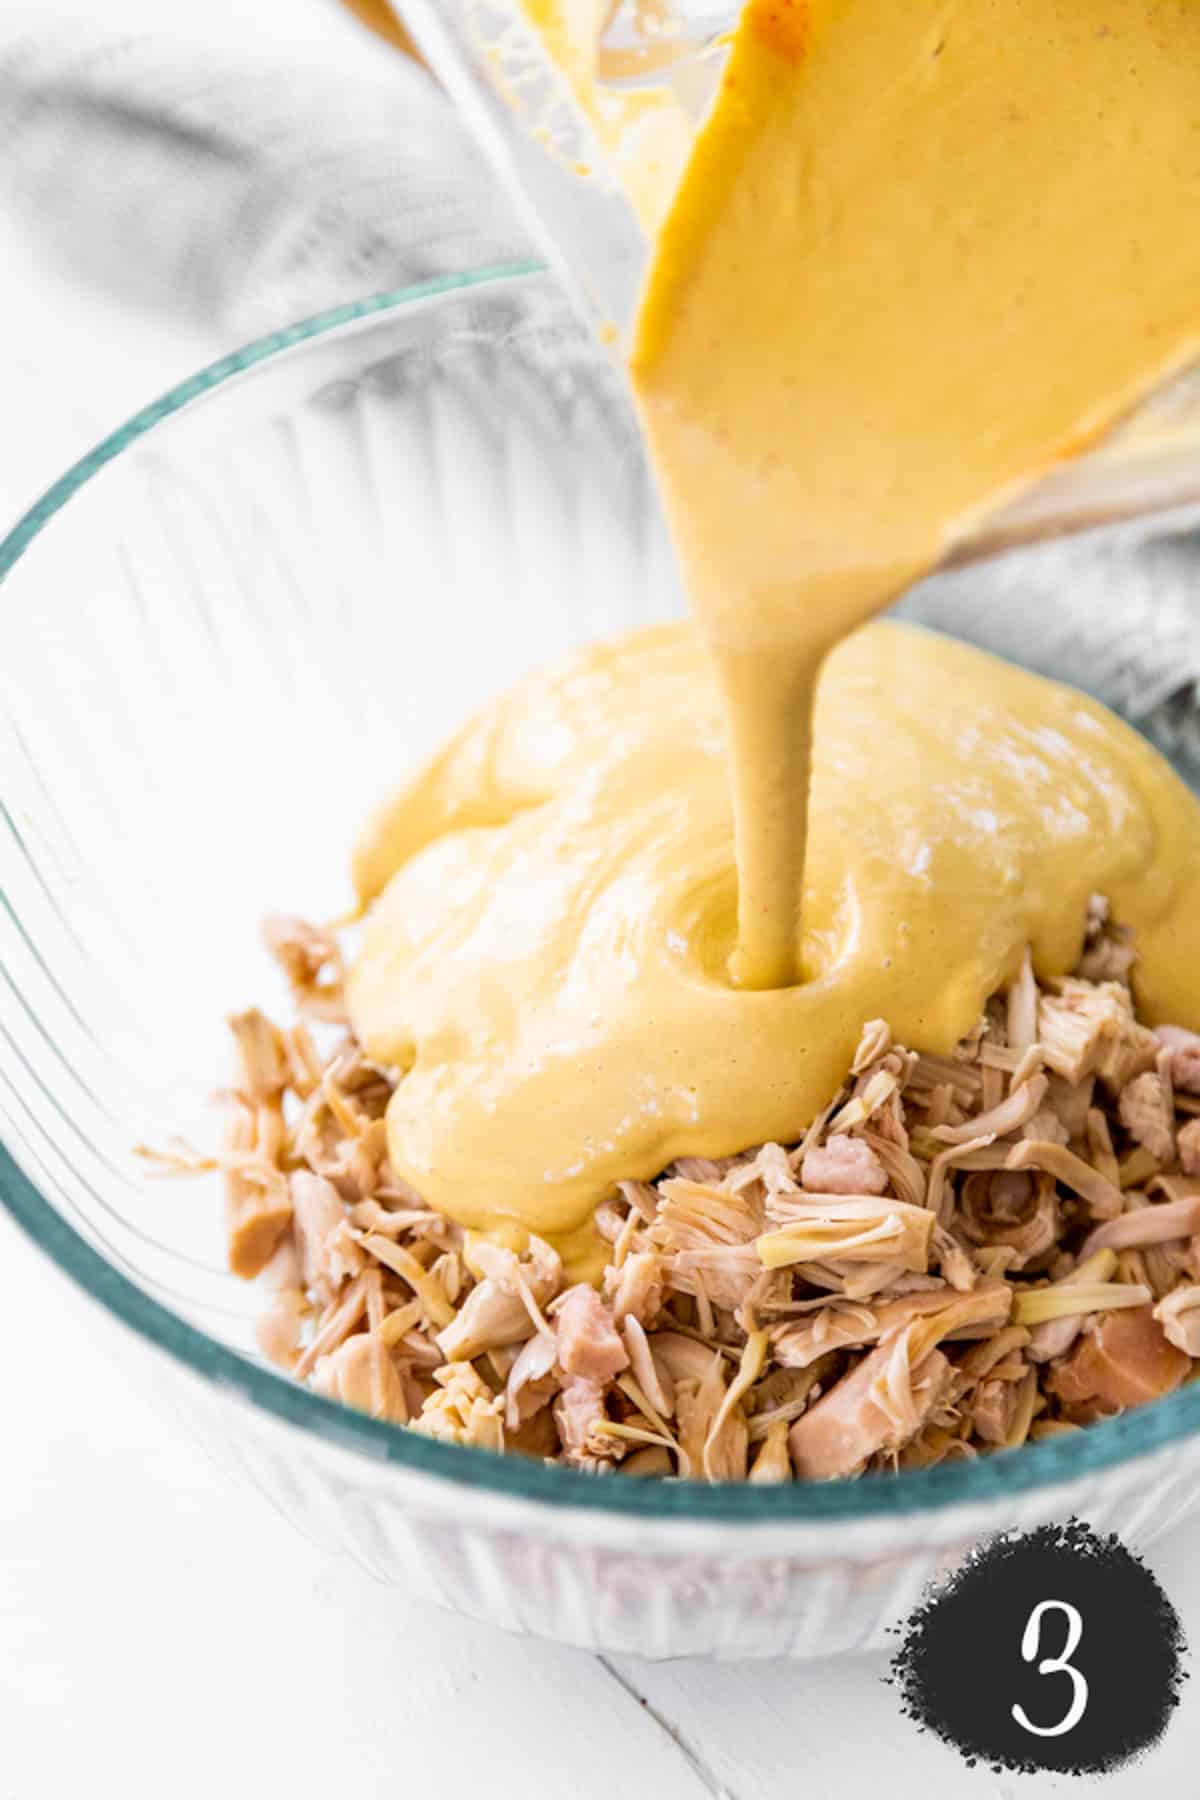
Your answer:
<point x="232" y="179"/>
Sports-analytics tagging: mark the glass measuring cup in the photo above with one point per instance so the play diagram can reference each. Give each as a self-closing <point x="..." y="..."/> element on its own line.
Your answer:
<point x="545" y="122"/>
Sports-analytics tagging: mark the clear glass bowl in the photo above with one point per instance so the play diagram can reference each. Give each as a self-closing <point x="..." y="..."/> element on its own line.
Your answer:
<point x="226" y="633"/>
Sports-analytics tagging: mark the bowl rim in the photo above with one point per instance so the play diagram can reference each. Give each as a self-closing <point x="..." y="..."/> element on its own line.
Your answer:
<point x="997" y="1477"/>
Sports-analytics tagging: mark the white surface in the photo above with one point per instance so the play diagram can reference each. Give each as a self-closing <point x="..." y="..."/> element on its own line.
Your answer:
<point x="162" y="1633"/>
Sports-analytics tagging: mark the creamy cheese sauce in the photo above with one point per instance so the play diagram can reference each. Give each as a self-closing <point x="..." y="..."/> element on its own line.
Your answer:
<point x="643" y="905"/>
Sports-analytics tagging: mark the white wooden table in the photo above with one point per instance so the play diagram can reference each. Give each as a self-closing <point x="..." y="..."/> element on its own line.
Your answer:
<point x="162" y="1633"/>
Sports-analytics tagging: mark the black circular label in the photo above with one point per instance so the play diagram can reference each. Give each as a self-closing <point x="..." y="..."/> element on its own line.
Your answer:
<point x="1054" y="1650"/>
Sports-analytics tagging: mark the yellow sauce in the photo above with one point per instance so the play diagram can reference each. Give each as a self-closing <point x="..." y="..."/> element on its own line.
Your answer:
<point x="919" y="252"/>
<point x="643" y="131"/>
<point x="549" y="958"/>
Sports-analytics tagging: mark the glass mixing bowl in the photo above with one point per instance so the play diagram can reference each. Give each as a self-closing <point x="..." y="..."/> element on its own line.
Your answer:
<point x="226" y="633"/>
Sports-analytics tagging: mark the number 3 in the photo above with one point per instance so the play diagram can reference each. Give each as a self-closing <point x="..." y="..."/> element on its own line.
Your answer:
<point x="1054" y="1665"/>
